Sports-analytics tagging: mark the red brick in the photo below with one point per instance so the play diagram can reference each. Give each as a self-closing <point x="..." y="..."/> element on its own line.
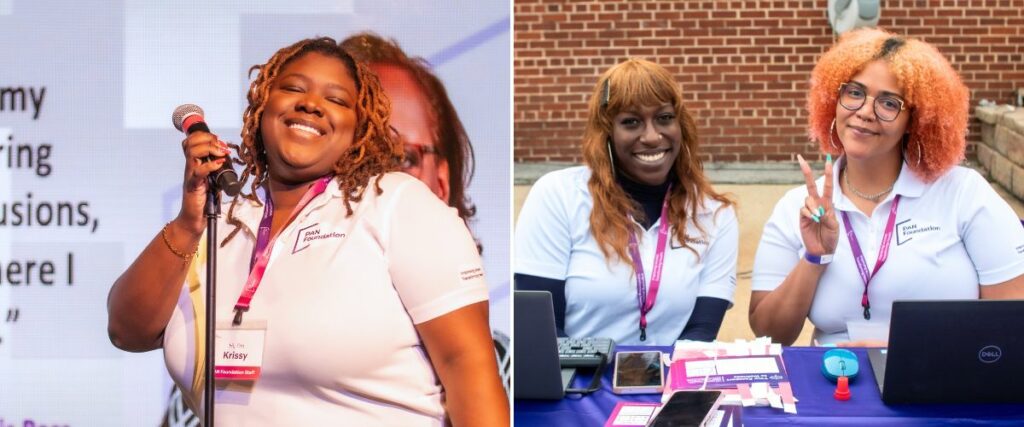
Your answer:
<point x="743" y="66"/>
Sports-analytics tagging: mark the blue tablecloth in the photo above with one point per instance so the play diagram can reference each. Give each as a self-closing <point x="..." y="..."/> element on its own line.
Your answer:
<point x="816" y="405"/>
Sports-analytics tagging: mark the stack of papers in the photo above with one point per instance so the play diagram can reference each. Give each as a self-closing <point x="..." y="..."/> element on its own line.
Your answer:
<point x="749" y="373"/>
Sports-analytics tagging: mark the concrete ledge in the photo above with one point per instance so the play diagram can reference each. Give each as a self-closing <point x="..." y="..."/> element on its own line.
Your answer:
<point x="759" y="173"/>
<point x="991" y="113"/>
<point x="527" y="173"/>
<point x="1001" y="152"/>
<point x="1002" y="171"/>
<point x="1014" y="120"/>
<point x="1009" y="143"/>
<point x="985" y="113"/>
<point x="1017" y="182"/>
<point x="985" y="158"/>
<point x="718" y="172"/>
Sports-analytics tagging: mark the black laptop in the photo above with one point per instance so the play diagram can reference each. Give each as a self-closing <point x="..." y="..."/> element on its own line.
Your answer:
<point x="952" y="351"/>
<point x="538" y="374"/>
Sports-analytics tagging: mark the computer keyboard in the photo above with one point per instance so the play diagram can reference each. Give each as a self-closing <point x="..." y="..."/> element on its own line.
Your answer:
<point x="584" y="352"/>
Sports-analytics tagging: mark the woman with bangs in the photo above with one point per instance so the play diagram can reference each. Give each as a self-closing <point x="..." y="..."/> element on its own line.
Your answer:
<point x="332" y="277"/>
<point x="914" y="225"/>
<point x="636" y="245"/>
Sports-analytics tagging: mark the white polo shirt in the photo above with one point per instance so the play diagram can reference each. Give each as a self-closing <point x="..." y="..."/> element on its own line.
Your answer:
<point x="951" y="236"/>
<point x="553" y="240"/>
<point x="341" y="297"/>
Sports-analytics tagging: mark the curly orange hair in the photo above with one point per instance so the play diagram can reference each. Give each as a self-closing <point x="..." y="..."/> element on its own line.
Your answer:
<point x="637" y="83"/>
<point x="374" y="149"/>
<point x="938" y="100"/>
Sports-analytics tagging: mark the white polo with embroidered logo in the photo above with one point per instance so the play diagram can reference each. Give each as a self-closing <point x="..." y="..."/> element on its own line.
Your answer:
<point x="951" y="236"/>
<point x="341" y="297"/>
<point x="554" y="240"/>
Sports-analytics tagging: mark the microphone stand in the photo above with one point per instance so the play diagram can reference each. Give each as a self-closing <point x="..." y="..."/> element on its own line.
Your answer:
<point x="212" y="211"/>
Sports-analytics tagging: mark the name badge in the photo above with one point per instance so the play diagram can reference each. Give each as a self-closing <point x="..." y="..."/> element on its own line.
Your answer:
<point x="239" y="355"/>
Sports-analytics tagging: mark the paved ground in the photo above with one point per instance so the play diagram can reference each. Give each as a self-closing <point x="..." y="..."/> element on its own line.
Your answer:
<point x="756" y="202"/>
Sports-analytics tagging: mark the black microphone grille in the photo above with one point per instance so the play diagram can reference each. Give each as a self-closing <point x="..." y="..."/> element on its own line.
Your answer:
<point x="183" y="111"/>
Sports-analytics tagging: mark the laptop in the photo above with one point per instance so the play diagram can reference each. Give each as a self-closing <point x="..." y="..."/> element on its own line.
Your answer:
<point x="952" y="351"/>
<point x="537" y="374"/>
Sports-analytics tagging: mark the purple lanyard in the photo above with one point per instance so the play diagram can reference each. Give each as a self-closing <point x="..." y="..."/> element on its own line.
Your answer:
<point x="883" y="253"/>
<point x="645" y="303"/>
<point x="265" y="245"/>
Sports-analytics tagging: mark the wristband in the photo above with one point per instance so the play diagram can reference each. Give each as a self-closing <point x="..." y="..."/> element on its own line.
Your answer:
<point x="818" y="259"/>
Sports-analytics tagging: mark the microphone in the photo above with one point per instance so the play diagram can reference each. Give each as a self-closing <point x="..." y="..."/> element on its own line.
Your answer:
<point x="188" y="118"/>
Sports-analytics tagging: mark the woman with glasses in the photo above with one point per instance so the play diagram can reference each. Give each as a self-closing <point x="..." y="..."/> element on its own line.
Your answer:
<point x="636" y="245"/>
<point x="894" y="217"/>
<point x="437" y="149"/>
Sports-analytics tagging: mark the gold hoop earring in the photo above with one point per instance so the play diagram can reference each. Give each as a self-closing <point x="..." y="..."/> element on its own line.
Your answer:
<point x="362" y="152"/>
<point x="906" y="147"/>
<point x="831" y="130"/>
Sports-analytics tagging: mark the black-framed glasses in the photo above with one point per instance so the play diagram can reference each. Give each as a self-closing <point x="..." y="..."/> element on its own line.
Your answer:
<point x="852" y="96"/>
<point x="414" y="154"/>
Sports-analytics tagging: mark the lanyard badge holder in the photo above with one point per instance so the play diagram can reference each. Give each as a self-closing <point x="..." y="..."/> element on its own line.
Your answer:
<point x="240" y="349"/>
<point x="645" y="301"/>
<point x="883" y="253"/>
<point x="265" y="246"/>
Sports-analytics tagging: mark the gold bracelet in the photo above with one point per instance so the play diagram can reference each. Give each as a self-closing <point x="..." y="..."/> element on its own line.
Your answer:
<point x="184" y="256"/>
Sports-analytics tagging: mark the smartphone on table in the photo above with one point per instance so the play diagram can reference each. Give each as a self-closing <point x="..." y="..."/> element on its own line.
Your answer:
<point x="638" y="372"/>
<point x="688" y="408"/>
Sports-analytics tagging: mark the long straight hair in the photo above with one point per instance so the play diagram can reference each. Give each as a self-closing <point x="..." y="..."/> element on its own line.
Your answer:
<point x="630" y="84"/>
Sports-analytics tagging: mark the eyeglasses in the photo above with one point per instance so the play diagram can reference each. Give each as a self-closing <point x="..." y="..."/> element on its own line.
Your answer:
<point x="414" y="154"/>
<point x="852" y="96"/>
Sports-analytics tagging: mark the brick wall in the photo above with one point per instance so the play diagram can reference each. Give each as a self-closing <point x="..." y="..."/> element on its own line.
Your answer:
<point x="743" y="65"/>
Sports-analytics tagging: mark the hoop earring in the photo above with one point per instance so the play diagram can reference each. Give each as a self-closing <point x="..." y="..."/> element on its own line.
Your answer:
<point x="906" y="146"/>
<point x="362" y="152"/>
<point x="831" y="130"/>
<point x="611" y="158"/>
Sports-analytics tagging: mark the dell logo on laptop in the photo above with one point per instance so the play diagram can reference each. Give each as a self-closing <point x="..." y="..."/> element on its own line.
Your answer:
<point x="990" y="354"/>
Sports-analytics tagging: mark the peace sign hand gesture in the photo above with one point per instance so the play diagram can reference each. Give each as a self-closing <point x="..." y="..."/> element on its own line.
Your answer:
<point x="819" y="228"/>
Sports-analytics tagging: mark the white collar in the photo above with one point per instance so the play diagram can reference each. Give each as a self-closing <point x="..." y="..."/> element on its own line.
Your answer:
<point x="250" y="212"/>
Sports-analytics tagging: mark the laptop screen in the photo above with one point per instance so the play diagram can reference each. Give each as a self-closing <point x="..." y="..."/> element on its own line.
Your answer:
<point x="537" y="372"/>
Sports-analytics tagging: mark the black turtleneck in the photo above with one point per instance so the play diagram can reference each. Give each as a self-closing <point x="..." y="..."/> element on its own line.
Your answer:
<point x="649" y="197"/>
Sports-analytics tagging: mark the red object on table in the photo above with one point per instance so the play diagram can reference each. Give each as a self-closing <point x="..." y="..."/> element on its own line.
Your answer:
<point x="842" y="388"/>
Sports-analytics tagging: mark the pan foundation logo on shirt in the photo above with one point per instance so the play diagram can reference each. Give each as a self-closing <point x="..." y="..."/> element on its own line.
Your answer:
<point x="313" y="233"/>
<point x="693" y="242"/>
<point x="906" y="232"/>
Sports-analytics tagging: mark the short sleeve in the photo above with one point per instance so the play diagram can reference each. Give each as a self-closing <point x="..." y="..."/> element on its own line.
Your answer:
<point x="718" y="277"/>
<point x="991" y="232"/>
<point x="779" y="250"/>
<point x="542" y="238"/>
<point x="433" y="261"/>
